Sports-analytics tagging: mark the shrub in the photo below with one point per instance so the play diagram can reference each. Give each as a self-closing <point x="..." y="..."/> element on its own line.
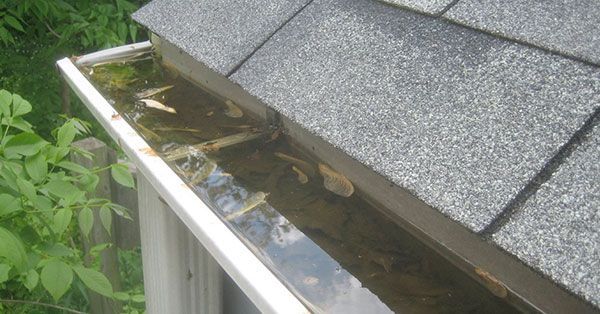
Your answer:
<point x="46" y="207"/>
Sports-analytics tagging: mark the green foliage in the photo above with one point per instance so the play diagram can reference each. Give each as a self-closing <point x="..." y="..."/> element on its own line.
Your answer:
<point x="133" y="300"/>
<point x="33" y="35"/>
<point x="36" y="33"/>
<point x="90" y="23"/>
<point x="44" y="202"/>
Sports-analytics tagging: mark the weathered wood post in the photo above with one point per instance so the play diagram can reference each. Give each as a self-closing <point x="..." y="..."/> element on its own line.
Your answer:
<point x="109" y="259"/>
<point x="127" y="232"/>
<point x="180" y="276"/>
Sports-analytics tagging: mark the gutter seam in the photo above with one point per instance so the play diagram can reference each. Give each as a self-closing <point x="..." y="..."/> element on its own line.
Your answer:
<point x="553" y="165"/>
<point x="239" y="65"/>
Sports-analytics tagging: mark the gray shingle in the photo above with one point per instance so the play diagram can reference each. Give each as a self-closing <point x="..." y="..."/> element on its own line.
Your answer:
<point x="219" y="33"/>
<point x="461" y="119"/>
<point x="558" y="230"/>
<point x="427" y="6"/>
<point x="569" y="26"/>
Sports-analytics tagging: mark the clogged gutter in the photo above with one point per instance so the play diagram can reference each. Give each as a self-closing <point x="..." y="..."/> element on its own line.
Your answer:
<point x="300" y="217"/>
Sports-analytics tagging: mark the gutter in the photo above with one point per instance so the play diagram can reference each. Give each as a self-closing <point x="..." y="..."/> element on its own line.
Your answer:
<point x="248" y="272"/>
<point x="527" y="290"/>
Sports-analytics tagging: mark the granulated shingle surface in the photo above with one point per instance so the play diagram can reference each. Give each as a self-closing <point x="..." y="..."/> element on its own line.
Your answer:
<point x="558" y="229"/>
<point x="568" y="26"/>
<point x="461" y="119"/>
<point x="426" y="6"/>
<point x="220" y="33"/>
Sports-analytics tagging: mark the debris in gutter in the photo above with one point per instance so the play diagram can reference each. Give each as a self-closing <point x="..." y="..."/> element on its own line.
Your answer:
<point x="165" y="129"/>
<point x="495" y="286"/>
<point x="152" y="91"/>
<point x="147" y="133"/>
<point x="302" y="178"/>
<point x="299" y="163"/>
<point x="249" y="204"/>
<point x="214" y="145"/>
<point x="157" y="105"/>
<point x="335" y="182"/>
<point x="207" y="169"/>
<point x="232" y="110"/>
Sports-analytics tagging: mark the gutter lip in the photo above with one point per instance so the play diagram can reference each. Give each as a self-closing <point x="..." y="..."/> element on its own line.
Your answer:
<point x="254" y="278"/>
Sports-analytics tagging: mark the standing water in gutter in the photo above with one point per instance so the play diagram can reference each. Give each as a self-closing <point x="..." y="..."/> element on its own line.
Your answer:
<point x="304" y="220"/>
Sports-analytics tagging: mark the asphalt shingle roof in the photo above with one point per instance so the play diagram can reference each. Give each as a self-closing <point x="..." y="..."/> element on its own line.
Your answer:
<point x="556" y="231"/>
<point x="425" y="6"/>
<point x="571" y="27"/>
<point x="221" y="33"/>
<point x="462" y="118"/>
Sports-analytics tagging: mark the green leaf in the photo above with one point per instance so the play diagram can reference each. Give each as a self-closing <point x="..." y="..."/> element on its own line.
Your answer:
<point x="138" y="298"/>
<point x="98" y="248"/>
<point x="5" y="101"/>
<point x="9" y="204"/>
<point x="21" y="124"/>
<point x="20" y="106"/>
<point x="31" y="280"/>
<point x="36" y="166"/>
<point x="102" y="20"/>
<point x="94" y="280"/>
<point x="42" y="6"/>
<point x="62" y="218"/>
<point x="106" y="218"/>
<point x="42" y="202"/>
<point x="56" y="154"/>
<point x="86" y="220"/>
<point x="75" y="197"/>
<point x="121" y="296"/>
<point x="4" y="269"/>
<point x="72" y="166"/>
<point x="82" y="126"/>
<point x="12" y="248"/>
<point x="7" y="172"/>
<point x="89" y="182"/>
<point x="26" y="144"/>
<point x="56" y="278"/>
<point x="58" y="250"/>
<point x="61" y="188"/>
<point x="26" y="188"/>
<point x="122" y="31"/>
<point x="6" y="139"/>
<point x="66" y="134"/>
<point x="120" y="210"/>
<point x="6" y="36"/>
<point x="133" y="32"/>
<point x="121" y="174"/>
<point x="14" y="23"/>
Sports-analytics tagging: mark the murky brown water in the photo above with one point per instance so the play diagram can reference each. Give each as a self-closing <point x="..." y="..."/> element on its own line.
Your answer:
<point x="338" y="254"/>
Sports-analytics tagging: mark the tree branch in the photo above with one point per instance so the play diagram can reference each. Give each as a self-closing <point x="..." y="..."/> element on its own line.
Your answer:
<point x="52" y="31"/>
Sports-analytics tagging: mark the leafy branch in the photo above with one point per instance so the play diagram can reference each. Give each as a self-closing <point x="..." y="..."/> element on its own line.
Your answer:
<point x="46" y="199"/>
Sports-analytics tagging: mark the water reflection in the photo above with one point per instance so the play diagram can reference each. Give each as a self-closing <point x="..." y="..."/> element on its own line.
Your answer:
<point x="339" y="255"/>
<point x="307" y="268"/>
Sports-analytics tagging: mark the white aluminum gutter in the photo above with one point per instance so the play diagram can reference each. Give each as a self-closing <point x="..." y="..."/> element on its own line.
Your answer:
<point x="260" y="285"/>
